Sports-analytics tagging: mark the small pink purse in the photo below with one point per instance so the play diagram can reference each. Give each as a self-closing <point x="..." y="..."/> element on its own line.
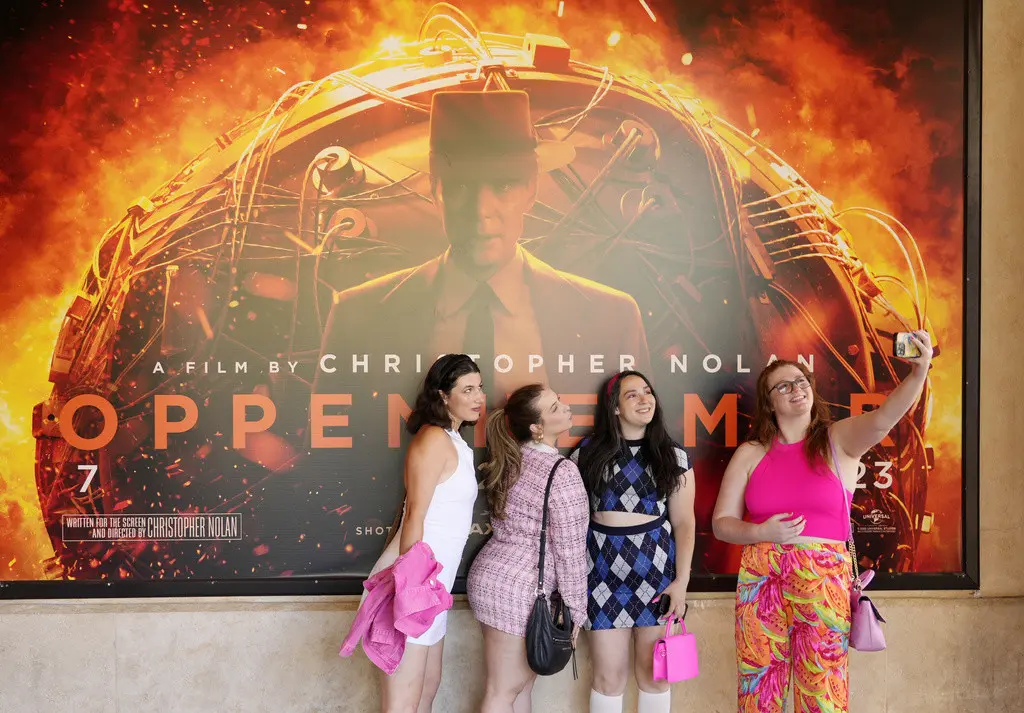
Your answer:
<point x="675" y="655"/>
<point x="865" y="622"/>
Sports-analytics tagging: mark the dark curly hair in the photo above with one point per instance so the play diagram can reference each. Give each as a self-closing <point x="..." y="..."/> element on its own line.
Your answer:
<point x="441" y="377"/>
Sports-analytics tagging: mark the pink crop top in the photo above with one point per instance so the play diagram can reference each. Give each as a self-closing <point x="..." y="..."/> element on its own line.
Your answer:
<point x="785" y="482"/>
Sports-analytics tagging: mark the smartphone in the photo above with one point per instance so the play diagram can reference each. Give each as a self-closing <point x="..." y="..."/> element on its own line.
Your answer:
<point x="902" y="346"/>
<point x="664" y="604"/>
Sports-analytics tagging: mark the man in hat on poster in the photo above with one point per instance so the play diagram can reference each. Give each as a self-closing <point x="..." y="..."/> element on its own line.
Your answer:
<point x="486" y="295"/>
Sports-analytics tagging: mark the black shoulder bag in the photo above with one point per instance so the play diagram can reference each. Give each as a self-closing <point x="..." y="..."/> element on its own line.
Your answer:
<point x="549" y="628"/>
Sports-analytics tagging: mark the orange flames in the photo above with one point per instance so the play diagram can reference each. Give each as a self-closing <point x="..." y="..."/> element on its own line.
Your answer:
<point x="145" y="93"/>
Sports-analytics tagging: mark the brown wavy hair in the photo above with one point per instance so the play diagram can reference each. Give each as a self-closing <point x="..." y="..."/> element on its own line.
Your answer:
<point x="765" y="427"/>
<point x="507" y="429"/>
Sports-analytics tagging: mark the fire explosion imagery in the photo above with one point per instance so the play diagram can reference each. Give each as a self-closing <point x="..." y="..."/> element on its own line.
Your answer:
<point x="115" y="102"/>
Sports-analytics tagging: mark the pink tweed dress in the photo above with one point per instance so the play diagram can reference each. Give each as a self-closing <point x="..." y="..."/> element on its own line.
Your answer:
<point x="502" y="582"/>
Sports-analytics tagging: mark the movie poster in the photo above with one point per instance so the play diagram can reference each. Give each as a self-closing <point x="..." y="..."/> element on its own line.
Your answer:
<point x="237" y="235"/>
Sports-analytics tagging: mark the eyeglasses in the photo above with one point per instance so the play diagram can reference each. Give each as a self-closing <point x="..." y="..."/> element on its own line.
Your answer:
<point x="786" y="387"/>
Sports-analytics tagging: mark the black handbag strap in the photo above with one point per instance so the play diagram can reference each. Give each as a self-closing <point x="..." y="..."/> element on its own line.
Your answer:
<point x="544" y="526"/>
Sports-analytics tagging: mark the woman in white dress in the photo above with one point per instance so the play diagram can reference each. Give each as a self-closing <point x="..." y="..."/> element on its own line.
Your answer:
<point x="441" y="488"/>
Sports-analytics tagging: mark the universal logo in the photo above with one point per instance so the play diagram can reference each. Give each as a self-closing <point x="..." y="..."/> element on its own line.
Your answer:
<point x="877" y="517"/>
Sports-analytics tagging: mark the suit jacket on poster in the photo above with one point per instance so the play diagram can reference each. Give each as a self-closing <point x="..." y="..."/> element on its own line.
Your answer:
<point x="353" y="493"/>
<point x="395" y="314"/>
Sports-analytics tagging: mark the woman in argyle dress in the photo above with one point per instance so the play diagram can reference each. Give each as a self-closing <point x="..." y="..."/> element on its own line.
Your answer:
<point x="640" y="542"/>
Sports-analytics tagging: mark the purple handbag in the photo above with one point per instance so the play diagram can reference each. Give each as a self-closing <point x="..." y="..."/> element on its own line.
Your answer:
<point x="865" y="622"/>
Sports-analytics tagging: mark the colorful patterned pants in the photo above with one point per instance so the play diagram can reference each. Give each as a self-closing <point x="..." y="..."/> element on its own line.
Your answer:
<point x="793" y="617"/>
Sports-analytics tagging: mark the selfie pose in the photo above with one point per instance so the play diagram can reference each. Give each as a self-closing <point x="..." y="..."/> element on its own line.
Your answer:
<point x="795" y="478"/>
<point x="640" y="541"/>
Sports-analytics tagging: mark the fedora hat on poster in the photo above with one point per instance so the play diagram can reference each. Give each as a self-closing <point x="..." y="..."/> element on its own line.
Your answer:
<point x="485" y="133"/>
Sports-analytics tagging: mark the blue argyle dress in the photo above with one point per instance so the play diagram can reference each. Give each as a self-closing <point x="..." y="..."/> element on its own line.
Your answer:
<point x="629" y="566"/>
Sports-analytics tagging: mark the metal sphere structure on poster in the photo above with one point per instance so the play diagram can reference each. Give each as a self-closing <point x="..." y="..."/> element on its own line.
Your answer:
<point x="219" y="286"/>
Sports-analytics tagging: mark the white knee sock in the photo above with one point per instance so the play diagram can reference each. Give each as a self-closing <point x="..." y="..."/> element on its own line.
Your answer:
<point x="600" y="703"/>
<point x="655" y="702"/>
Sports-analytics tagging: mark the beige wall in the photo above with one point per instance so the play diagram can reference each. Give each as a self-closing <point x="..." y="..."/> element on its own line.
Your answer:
<point x="1002" y="323"/>
<point x="946" y="653"/>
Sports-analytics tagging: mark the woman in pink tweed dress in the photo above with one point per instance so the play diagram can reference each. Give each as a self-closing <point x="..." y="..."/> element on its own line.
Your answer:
<point x="502" y="582"/>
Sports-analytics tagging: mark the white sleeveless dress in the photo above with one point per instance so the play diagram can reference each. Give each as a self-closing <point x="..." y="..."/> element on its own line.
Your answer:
<point x="446" y="528"/>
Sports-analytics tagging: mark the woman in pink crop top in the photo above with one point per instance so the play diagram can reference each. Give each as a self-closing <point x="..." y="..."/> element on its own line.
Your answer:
<point x="794" y="479"/>
<point x="502" y="585"/>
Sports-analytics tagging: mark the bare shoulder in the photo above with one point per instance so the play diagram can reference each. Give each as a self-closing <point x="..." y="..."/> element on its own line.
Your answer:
<point x="748" y="454"/>
<point x="751" y="448"/>
<point x="431" y="441"/>
<point x="835" y="430"/>
<point x="843" y="464"/>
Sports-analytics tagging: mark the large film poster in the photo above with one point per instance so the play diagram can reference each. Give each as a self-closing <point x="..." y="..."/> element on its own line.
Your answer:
<point x="236" y="236"/>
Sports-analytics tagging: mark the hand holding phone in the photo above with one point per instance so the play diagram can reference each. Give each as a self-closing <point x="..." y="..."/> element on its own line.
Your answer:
<point x="664" y="605"/>
<point x="914" y="347"/>
<point x="903" y="346"/>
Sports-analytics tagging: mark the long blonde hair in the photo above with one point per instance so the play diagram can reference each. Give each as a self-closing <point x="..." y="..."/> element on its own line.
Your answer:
<point x="507" y="430"/>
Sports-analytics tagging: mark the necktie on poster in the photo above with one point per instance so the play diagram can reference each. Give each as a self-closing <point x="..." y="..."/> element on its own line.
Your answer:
<point x="480" y="333"/>
<point x="223" y="394"/>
